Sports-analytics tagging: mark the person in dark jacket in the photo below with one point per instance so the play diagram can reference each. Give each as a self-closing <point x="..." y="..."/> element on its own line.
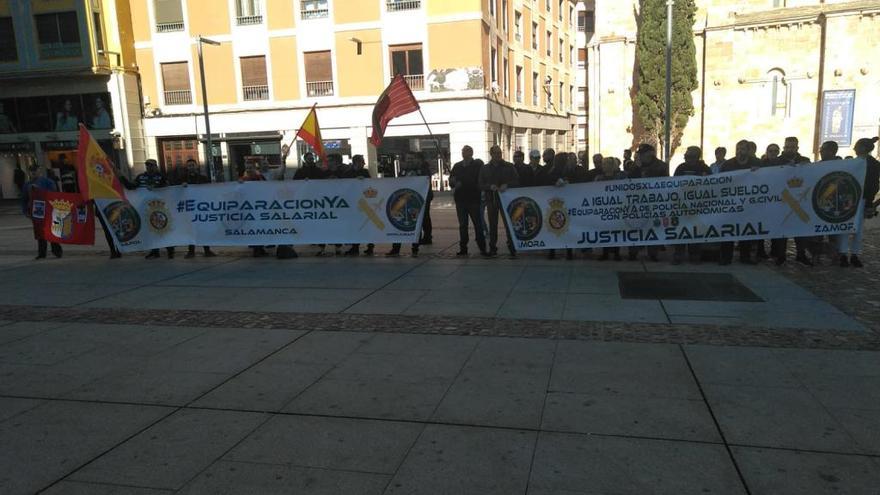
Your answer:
<point x="771" y="156"/>
<point x="151" y="179"/>
<point x="252" y="174"/>
<point x="414" y="168"/>
<point x="465" y="182"/>
<point x="524" y="172"/>
<point x="742" y="160"/>
<point x="193" y="176"/>
<point x="853" y="247"/>
<point x="40" y="180"/>
<point x="357" y="170"/>
<point x="693" y="165"/>
<point x="610" y="170"/>
<point x="828" y="151"/>
<point x="647" y="165"/>
<point x="309" y="170"/>
<point x="424" y="170"/>
<point x="559" y="174"/>
<point x="779" y="247"/>
<point x="495" y="177"/>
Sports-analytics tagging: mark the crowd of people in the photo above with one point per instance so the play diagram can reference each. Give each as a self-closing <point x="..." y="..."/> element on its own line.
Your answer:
<point x="476" y="186"/>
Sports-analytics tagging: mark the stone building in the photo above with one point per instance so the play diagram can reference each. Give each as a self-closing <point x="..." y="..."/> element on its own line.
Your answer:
<point x="767" y="69"/>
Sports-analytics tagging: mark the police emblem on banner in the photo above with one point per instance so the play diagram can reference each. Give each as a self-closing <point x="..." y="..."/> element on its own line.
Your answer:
<point x="525" y="218"/>
<point x="123" y="219"/>
<point x="62" y="219"/>
<point x="557" y="218"/>
<point x="837" y="197"/>
<point x="158" y="216"/>
<point x="403" y="208"/>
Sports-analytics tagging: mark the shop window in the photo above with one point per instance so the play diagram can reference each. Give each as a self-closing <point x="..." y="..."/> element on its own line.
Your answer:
<point x="58" y="35"/>
<point x="254" y="83"/>
<point x="8" y="49"/>
<point x="169" y="16"/>
<point x="319" y="74"/>
<point x="175" y="79"/>
<point x="407" y="61"/>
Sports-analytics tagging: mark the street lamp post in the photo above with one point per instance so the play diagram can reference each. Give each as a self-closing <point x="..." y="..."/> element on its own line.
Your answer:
<point x="209" y="152"/>
<point x="667" y="145"/>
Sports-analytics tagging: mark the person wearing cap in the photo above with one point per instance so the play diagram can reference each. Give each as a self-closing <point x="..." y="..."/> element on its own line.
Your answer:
<point x="852" y="246"/>
<point x="40" y="181"/>
<point x="649" y="166"/>
<point x="465" y="183"/>
<point x="779" y="247"/>
<point x="151" y="179"/>
<point x="495" y="177"/>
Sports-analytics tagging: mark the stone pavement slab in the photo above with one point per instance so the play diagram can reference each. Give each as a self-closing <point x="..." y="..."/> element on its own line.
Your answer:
<point x="783" y="472"/>
<point x="80" y="488"/>
<point x="466" y="460"/>
<point x="591" y="464"/>
<point x="12" y="406"/>
<point x="45" y="443"/>
<point x="173" y="451"/>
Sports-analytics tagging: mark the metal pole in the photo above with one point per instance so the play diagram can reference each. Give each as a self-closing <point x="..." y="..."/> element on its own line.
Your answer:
<point x="667" y="139"/>
<point x="439" y="149"/>
<point x="209" y="155"/>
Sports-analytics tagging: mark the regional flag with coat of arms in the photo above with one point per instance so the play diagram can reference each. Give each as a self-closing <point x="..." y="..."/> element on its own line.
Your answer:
<point x="95" y="174"/>
<point x="64" y="218"/>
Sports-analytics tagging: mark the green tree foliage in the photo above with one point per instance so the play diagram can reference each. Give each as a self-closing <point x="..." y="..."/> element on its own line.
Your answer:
<point x="650" y="92"/>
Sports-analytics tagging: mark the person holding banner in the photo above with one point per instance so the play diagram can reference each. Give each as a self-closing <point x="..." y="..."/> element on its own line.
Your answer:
<point x="693" y="166"/>
<point x="853" y="246"/>
<point x="413" y="169"/>
<point x="779" y="247"/>
<point x="357" y="170"/>
<point x="464" y="180"/>
<point x="39" y="181"/>
<point x="610" y="170"/>
<point x="523" y="170"/>
<point x="251" y="174"/>
<point x="496" y="176"/>
<point x="192" y="176"/>
<point x="152" y="178"/>
<point x="742" y="160"/>
<point x="648" y="165"/>
<point x="559" y="175"/>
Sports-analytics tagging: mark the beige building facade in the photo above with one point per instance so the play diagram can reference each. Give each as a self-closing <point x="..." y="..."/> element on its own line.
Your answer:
<point x="767" y="69"/>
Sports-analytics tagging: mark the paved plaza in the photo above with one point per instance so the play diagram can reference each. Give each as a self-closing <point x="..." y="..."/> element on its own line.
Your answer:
<point x="433" y="375"/>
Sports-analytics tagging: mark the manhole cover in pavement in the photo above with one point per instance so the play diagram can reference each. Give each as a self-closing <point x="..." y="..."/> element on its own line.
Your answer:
<point x="687" y="286"/>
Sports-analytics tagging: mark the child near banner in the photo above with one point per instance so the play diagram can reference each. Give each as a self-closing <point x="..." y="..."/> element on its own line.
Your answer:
<point x="40" y="181"/>
<point x="848" y="244"/>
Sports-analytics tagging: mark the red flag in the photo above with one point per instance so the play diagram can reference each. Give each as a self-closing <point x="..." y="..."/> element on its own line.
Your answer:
<point x="310" y="132"/>
<point x="65" y="218"/>
<point x="395" y="101"/>
<point x="95" y="174"/>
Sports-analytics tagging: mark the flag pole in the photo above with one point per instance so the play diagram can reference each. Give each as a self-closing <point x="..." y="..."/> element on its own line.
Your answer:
<point x="439" y="148"/>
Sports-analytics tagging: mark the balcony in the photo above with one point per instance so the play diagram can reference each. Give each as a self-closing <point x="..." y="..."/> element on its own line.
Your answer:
<point x="178" y="97"/>
<point x="249" y="20"/>
<point x="253" y="93"/>
<point x="416" y="82"/>
<point x="399" y="5"/>
<point x="60" y="50"/>
<point x="314" y="13"/>
<point x="319" y="88"/>
<point x="169" y="27"/>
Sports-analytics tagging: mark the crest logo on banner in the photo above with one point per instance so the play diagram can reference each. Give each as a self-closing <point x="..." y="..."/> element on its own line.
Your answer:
<point x="525" y="218"/>
<point x="158" y="216"/>
<point x="62" y="218"/>
<point x="837" y="197"/>
<point x="123" y="219"/>
<point x="557" y="218"/>
<point x="38" y="210"/>
<point x="403" y="208"/>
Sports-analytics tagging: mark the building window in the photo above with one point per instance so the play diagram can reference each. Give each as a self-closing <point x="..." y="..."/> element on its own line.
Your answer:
<point x="254" y="83"/>
<point x="548" y="6"/>
<point x="549" y="43"/>
<point x="582" y="97"/>
<point x="175" y="80"/>
<point x="99" y="32"/>
<point x="248" y="12"/>
<point x="780" y="94"/>
<point x="582" y="57"/>
<point x="519" y="84"/>
<point x="560" y="95"/>
<point x="534" y="36"/>
<point x="517" y="25"/>
<point x="493" y="70"/>
<point x="313" y="9"/>
<point x="169" y="16"/>
<point x="571" y="19"/>
<point x="535" y="88"/>
<point x="589" y="21"/>
<point x="407" y="61"/>
<point x="778" y="3"/>
<point x="506" y="78"/>
<point x="8" y="50"/>
<point x="561" y="9"/>
<point x="319" y="74"/>
<point x="561" y="50"/>
<point x="58" y="35"/>
<point x="398" y="5"/>
<point x="492" y="8"/>
<point x="571" y="97"/>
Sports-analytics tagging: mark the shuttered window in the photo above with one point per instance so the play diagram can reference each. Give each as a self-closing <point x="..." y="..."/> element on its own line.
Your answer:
<point x="8" y="51"/>
<point x="253" y="71"/>
<point x="175" y="76"/>
<point x="168" y="12"/>
<point x="318" y="66"/>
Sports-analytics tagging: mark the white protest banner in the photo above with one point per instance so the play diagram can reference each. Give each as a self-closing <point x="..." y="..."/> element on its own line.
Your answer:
<point x="823" y="198"/>
<point x="265" y="213"/>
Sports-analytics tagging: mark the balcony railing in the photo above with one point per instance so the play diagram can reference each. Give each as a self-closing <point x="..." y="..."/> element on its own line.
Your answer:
<point x="319" y="88"/>
<point x="252" y="93"/>
<point x="314" y="13"/>
<point x="416" y="82"/>
<point x="398" y="5"/>
<point x="249" y="20"/>
<point x="60" y="50"/>
<point x="178" y="97"/>
<point x="169" y="27"/>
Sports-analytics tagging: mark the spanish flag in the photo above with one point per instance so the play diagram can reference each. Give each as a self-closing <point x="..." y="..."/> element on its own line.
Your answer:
<point x="95" y="174"/>
<point x="310" y="132"/>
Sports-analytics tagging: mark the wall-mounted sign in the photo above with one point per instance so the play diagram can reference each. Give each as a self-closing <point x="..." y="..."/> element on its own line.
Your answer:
<point x="837" y="116"/>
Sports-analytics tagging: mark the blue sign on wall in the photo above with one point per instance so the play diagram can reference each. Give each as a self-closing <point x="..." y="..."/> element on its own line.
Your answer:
<point x="837" y="116"/>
